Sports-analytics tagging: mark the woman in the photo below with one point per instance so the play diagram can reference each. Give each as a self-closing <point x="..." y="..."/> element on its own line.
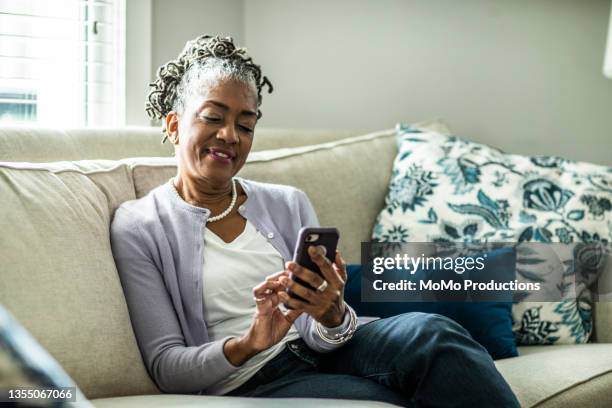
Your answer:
<point x="202" y="264"/>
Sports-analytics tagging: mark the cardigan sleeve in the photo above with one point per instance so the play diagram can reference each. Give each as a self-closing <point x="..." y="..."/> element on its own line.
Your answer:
<point x="173" y="366"/>
<point x="306" y="324"/>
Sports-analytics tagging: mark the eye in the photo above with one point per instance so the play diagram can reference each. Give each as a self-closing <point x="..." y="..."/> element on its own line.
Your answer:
<point x="211" y="118"/>
<point x="245" y="129"/>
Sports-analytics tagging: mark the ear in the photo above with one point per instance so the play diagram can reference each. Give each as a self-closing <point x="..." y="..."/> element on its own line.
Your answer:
<point x="172" y="125"/>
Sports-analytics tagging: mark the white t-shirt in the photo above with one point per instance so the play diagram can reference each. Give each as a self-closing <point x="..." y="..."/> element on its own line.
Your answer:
<point x="230" y="272"/>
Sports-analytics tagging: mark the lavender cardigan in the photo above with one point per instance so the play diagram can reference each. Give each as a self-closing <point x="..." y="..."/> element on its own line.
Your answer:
<point x="157" y="242"/>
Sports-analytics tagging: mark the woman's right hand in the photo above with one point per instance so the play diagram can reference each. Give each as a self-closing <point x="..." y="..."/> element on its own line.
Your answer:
<point x="269" y="326"/>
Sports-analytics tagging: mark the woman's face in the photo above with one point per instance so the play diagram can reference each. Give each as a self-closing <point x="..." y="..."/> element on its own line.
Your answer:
<point x="215" y="131"/>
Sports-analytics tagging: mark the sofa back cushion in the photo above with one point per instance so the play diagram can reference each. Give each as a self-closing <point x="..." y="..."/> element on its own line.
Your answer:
<point x="346" y="180"/>
<point x="58" y="277"/>
<point x="31" y="144"/>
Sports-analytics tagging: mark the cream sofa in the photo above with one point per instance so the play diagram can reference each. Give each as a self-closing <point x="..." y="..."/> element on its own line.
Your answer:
<point x="59" y="280"/>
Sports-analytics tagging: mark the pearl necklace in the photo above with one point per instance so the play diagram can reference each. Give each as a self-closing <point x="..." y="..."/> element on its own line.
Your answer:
<point x="224" y="213"/>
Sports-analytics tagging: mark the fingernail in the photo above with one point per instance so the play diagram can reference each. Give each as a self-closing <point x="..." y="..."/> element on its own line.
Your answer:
<point x="291" y="266"/>
<point x="322" y="250"/>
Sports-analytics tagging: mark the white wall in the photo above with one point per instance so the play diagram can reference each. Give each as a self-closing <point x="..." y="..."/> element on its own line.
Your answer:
<point x="525" y="76"/>
<point x="177" y="21"/>
<point x="522" y="75"/>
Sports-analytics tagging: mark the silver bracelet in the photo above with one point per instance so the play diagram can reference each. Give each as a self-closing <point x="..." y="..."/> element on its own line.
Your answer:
<point x="339" y="338"/>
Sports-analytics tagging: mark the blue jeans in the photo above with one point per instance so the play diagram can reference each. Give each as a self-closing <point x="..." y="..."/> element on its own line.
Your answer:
<point x="413" y="359"/>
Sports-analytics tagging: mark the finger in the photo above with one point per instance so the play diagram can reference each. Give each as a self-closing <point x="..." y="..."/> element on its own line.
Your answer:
<point x="266" y="287"/>
<point x="292" y="315"/>
<point x="311" y="296"/>
<point x="267" y="303"/>
<point x="305" y="274"/>
<point x="273" y="297"/>
<point x="264" y="305"/>
<point x="294" y="303"/>
<point x="277" y="275"/>
<point x="340" y="267"/>
<point x="274" y="286"/>
<point x="285" y="281"/>
<point x="267" y="284"/>
<point x="317" y="254"/>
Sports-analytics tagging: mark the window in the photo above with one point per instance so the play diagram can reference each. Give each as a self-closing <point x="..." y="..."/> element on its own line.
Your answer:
<point x="62" y="62"/>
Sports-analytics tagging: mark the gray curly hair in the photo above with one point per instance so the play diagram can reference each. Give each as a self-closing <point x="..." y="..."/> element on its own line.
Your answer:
<point x="203" y="56"/>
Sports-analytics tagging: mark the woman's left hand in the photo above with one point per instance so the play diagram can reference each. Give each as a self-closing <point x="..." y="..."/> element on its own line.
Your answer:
<point x="326" y="306"/>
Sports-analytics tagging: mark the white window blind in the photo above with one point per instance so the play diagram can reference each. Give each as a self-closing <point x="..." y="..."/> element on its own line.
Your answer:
<point x="62" y="62"/>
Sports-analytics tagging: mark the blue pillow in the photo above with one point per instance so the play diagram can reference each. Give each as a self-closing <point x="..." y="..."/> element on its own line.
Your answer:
<point x="489" y="323"/>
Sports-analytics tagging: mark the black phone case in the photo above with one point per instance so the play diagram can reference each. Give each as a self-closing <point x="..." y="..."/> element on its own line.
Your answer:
<point x="328" y="237"/>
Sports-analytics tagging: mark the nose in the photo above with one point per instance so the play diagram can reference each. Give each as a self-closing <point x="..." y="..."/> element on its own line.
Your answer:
<point x="228" y="134"/>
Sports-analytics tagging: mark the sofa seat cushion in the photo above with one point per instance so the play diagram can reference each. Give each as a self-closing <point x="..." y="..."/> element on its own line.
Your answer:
<point x="555" y="375"/>
<point x="188" y="401"/>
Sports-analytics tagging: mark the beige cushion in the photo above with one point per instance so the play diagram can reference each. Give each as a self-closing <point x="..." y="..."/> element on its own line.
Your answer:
<point x="560" y="373"/>
<point x="268" y="138"/>
<point x="594" y="393"/>
<point x="192" y="401"/>
<point x="33" y="144"/>
<point x="151" y="172"/>
<point x="58" y="275"/>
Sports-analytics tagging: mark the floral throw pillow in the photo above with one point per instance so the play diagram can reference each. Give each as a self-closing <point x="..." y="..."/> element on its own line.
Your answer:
<point x="447" y="189"/>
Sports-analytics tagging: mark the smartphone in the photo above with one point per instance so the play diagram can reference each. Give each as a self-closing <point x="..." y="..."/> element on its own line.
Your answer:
<point x="311" y="236"/>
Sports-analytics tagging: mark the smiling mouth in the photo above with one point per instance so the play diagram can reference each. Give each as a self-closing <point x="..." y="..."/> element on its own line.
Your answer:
<point x="219" y="155"/>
